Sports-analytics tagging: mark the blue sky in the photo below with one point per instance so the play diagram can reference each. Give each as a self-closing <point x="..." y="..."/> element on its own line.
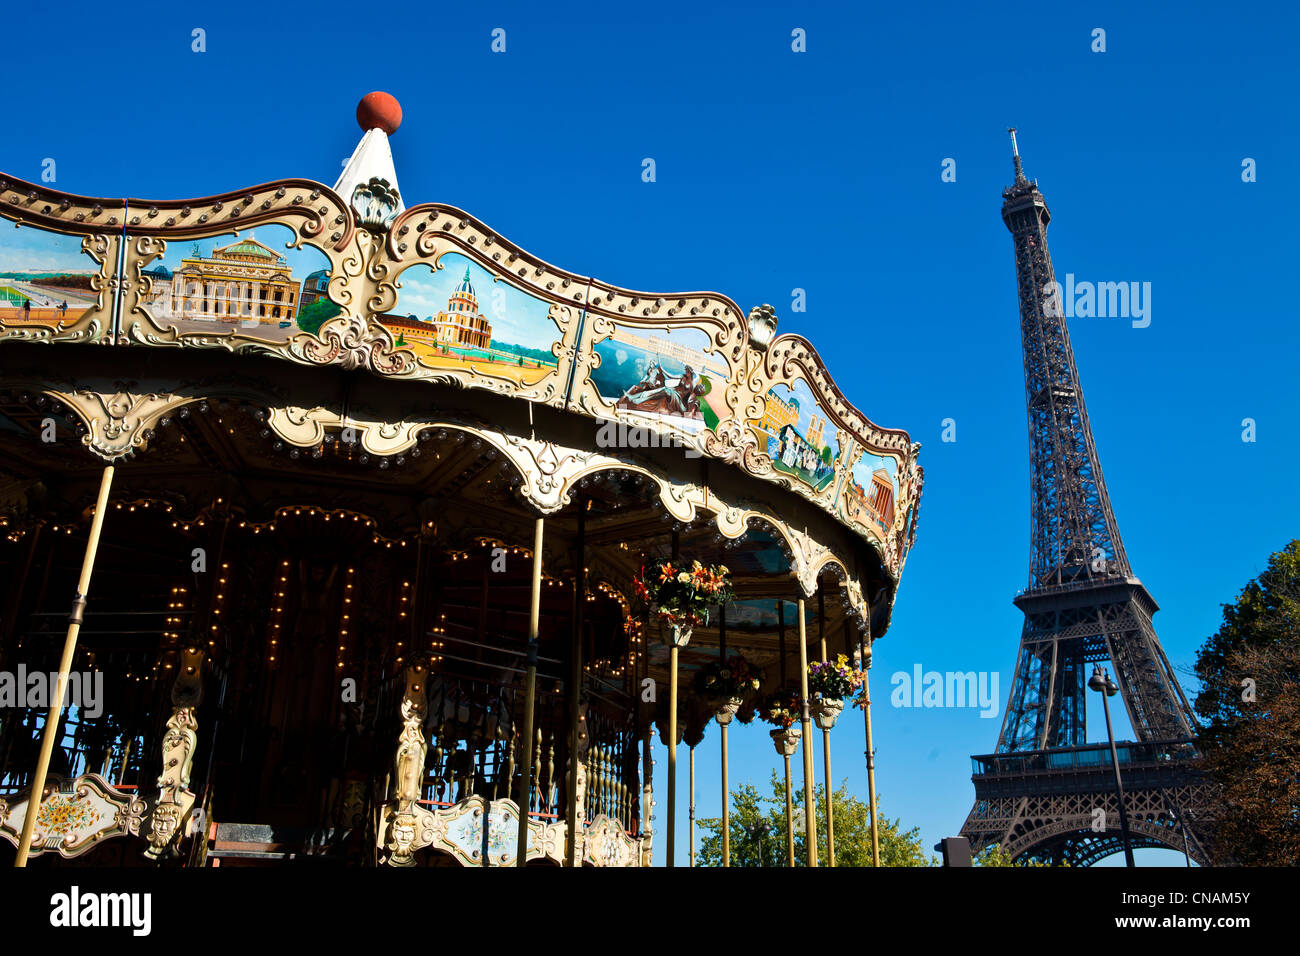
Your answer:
<point x="820" y="171"/>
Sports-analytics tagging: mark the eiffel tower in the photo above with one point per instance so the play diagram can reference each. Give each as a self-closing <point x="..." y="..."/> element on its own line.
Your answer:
<point x="1047" y="794"/>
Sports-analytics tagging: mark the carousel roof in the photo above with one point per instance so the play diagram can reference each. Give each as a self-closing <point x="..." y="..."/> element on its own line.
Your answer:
<point x="694" y="390"/>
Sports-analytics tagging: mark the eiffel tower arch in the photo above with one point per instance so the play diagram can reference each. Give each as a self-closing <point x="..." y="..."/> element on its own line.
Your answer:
<point x="1047" y="793"/>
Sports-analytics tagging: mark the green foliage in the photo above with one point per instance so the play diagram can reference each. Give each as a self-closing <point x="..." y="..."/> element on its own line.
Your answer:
<point x="1250" y="701"/>
<point x="994" y="855"/>
<point x="537" y="355"/>
<point x="316" y="314"/>
<point x="898" y="847"/>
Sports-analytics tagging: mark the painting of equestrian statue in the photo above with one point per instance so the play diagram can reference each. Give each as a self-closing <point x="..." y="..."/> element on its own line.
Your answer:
<point x="661" y="375"/>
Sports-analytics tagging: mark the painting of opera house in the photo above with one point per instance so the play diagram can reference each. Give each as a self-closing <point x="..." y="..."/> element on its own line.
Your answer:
<point x="460" y="316"/>
<point x="661" y="375"/>
<point x="253" y="284"/>
<point x="871" y="492"/>
<point x="794" y="431"/>
<point x="44" y="278"/>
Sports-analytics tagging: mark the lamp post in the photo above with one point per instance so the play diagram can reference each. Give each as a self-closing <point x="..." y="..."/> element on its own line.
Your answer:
<point x="1101" y="682"/>
<point x="760" y="830"/>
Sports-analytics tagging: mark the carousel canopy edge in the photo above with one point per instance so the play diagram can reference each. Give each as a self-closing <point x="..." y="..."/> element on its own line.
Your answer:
<point x="352" y="276"/>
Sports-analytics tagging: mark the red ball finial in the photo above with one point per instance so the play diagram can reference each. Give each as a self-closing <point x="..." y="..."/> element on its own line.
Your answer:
<point x="379" y="111"/>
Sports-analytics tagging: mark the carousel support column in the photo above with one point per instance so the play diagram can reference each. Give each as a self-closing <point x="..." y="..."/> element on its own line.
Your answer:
<point x="37" y="790"/>
<point x="789" y="799"/>
<point x="826" y="736"/>
<point x="530" y="698"/>
<point x="871" y="753"/>
<point x="672" y="736"/>
<point x="722" y="732"/>
<point x="809" y="801"/>
<point x="789" y="815"/>
<point x="690" y="809"/>
<point x="575" y="690"/>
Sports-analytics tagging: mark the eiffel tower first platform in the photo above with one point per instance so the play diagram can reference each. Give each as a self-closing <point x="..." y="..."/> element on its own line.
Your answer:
<point x="1040" y="794"/>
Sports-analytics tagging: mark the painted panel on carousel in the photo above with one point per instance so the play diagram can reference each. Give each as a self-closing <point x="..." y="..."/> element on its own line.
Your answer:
<point x="261" y="284"/>
<point x="761" y="614"/>
<point x="460" y="317"/>
<point x="49" y="282"/>
<point x="871" y="493"/>
<point x="798" y="435"/>
<point x="665" y="376"/>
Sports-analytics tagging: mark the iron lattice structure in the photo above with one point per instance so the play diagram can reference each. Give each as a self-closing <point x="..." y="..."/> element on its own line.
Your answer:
<point x="1038" y="796"/>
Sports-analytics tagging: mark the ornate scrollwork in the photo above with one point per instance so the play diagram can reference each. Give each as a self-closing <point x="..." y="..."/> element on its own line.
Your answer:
<point x="74" y="815"/>
<point x="121" y="422"/>
<point x="353" y="343"/>
<point x="175" y="800"/>
<point x="404" y="825"/>
<point x="375" y="203"/>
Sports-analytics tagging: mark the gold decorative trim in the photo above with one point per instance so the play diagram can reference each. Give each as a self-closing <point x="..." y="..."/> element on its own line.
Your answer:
<point x="121" y="422"/>
<point x="74" y="815"/>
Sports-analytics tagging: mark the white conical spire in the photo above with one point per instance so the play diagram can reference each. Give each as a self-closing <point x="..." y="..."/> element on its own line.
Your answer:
<point x="369" y="180"/>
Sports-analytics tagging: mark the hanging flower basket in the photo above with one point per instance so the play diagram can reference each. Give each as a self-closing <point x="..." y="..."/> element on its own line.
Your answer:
<point x="826" y="710"/>
<point x="726" y="685"/>
<point x="682" y="594"/>
<point x="786" y="740"/>
<point x="726" y="711"/>
<point x="673" y="633"/>
<point x="781" y="710"/>
<point x="829" y="682"/>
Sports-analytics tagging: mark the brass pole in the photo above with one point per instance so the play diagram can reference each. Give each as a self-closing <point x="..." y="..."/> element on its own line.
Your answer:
<point x="575" y="689"/>
<point x="726" y="799"/>
<point x="670" y="845"/>
<point x="37" y="792"/>
<point x="871" y="753"/>
<point x="530" y="698"/>
<point x="691" y="808"/>
<point x="805" y="743"/>
<point x="826" y="736"/>
<point x="672" y="753"/>
<point x="722" y="730"/>
<point x="789" y="816"/>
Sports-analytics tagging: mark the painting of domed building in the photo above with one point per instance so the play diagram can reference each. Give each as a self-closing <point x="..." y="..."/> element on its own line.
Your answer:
<point x="446" y="321"/>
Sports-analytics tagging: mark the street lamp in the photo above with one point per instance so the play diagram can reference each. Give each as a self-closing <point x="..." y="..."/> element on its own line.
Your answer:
<point x="760" y="830"/>
<point x="1101" y="682"/>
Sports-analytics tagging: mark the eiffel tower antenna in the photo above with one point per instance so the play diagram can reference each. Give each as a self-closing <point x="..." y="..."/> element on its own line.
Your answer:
<point x="1015" y="155"/>
<point x="1039" y="795"/>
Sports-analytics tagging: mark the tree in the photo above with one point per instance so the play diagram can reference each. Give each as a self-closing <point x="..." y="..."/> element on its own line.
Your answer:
<point x="315" y="314"/>
<point x="1250" y="701"/>
<point x="994" y="855"/>
<point x="852" y="831"/>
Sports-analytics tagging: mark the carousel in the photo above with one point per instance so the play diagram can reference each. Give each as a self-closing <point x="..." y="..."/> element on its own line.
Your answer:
<point x="342" y="531"/>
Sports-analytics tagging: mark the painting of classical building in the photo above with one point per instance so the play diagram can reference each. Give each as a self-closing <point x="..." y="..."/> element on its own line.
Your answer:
<point x="440" y="317"/>
<point x="244" y="284"/>
<point x="793" y="432"/>
<point x="871" y="492"/>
